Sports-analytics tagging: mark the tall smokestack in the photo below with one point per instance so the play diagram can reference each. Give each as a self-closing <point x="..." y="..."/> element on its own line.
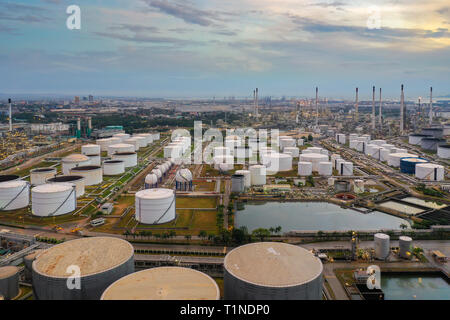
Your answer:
<point x="257" y="106"/>
<point x="254" y="102"/>
<point x="10" y="115"/>
<point x="317" y="107"/>
<point x="402" y="112"/>
<point x="373" y="108"/>
<point x="79" y="124"/>
<point x="380" y="117"/>
<point x="431" y="106"/>
<point x="356" y="106"/>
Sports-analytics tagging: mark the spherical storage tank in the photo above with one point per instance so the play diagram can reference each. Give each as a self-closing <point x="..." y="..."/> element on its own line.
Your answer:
<point x="325" y="168"/>
<point x="443" y="151"/>
<point x="247" y="177"/>
<point x="151" y="181"/>
<point x="382" y="245"/>
<point x="394" y="158"/>
<point x="74" y="160"/>
<point x="14" y="195"/>
<point x="430" y="171"/>
<point x="258" y="175"/>
<point x="113" y="167"/>
<point x="405" y="246"/>
<point x="129" y="158"/>
<point x="100" y="261"/>
<point x="158" y="173"/>
<point x="40" y="175"/>
<point x="408" y="165"/>
<point x="278" y="162"/>
<point x="431" y="144"/>
<point x="183" y="180"/>
<point x="78" y="181"/>
<point x="155" y="206"/>
<point x="164" y="283"/>
<point x="120" y="148"/>
<point x="272" y="271"/>
<point x="304" y="168"/>
<point x="9" y="282"/>
<point x="93" y="174"/>
<point x="91" y="150"/>
<point x="53" y="199"/>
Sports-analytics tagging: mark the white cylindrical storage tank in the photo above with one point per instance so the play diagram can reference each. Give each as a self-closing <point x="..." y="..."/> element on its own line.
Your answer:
<point x="142" y="141"/>
<point x="394" y="158"/>
<point x="93" y="174"/>
<point x="53" y="199"/>
<point x="325" y="168"/>
<point x="340" y="138"/>
<point x="122" y="136"/>
<point x="258" y="175"/>
<point x="272" y="271"/>
<point x="278" y="162"/>
<point x="120" y="148"/>
<point x="148" y="137"/>
<point x="304" y="168"/>
<point x="172" y="152"/>
<point x="78" y="181"/>
<point x="358" y="186"/>
<point x="388" y="146"/>
<point x="334" y="157"/>
<point x="243" y="152"/>
<point x="293" y="150"/>
<point x="221" y="151"/>
<point x="9" y="282"/>
<point x="384" y="154"/>
<point x="315" y="150"/>
<point x="382" y="246"/>
<point x="74" y="160"/>
<point x="237" y="183"/>
<point x="369" y="147"/>
<point x="133" y="141"/>
<point x="300" y="142"/>
<point x="129" y="158"/>
<point x="113" y="167"/>
<point x="353" y="144"/>
<point x="400" y="150"/>
<point x="39" y="176"/>
<point x="375" y="152"/>
<point x="443" y="151"/>
<point x="352" y="136"/>
<point x="331" y="181"/>
<point x="345" y="168"/>
<point x="324" y="151"/>
<point x="164" y="283"/>
<point x="247" y="177"/>
<point x="287" y="142"/>
<point x="378" y="142"/>
<point x="14" y="195"/>
<point x="337" y="163"/>
<point x="405" y="246"/>
<point x="223" y="163"/>
<point x="430" y="171"/>
<point x="114" y="141"/>
<point x="101" y="261"/>
<point x="96" y="160"/>
<point x="91" y="149"/>
<point x="360" y="146"/>
<point x="314" y="158"/>
<point x="104" y="143"/>
<point x="416" y="139"/>
<point x="155" y="206"/>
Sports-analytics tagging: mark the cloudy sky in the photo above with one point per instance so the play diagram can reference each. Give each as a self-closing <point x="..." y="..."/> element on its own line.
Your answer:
<point x="205" y="48"/>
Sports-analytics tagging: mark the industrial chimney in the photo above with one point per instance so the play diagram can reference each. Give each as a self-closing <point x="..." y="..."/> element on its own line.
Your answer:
<point x="10" y="115"/>
<point x="431" y="106"/>
<point x="317" y="107"/>
<point x="356" y="107"/>
<point x="373" y="108"/>
<point x="380" y="117"/>
<point x="402" y="112"/>
<point x="257" y="106"/>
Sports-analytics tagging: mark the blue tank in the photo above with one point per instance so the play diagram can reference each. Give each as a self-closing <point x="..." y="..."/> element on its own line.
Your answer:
<point x="408" y="164"/>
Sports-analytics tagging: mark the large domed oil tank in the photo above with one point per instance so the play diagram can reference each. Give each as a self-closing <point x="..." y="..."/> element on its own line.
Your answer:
<point x="74" y="160"/>
<point x="53" y="199"/>
<point x="164" y="283"/>
<point x="272" y="271"/>
<point x="9" y="282"/>
<point x="155" y="206"/>
<point x="40" y="175"/>
<point x="408" y="165"/>
<point x="443" y="151"/>
<point x="14" y="195"/>
<point x="415" y="139"/>
<point x="93" y="174"/>
<point x="151" y="181"/>
<point x="129" y="158"/>
<point x="432" y="144"/>
<point x="9" y="177"/>
<point x="99" y="260"/>
<point x="78" y="181"/>
<point x="183" y="180"/>
<point x="436" y="132"/>
<point x="382" y="246"/>
<point x="113" y="167"/>
<point x="405" y="246"/>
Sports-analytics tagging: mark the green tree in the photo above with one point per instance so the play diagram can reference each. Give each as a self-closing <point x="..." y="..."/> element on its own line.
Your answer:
<point x="261" y="233"/>
<point x="202" y="234"/>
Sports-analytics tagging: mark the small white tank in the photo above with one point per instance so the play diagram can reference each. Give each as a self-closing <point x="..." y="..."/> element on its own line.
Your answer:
<point x="172" y="152"/>
<point x="247" y="177"/>
<point x="93" y="174"/>
<point x="345" y="168"/>
<point x="104" y="143"/>
<point x="142" y="141"/>
<point x="221" y="151"/>
<point x="74" y="160"/>
<point x="91" y="149"/>
<point x="120" y="148"/>
<point x="155" y="206"/>
<point x="304" y="168"/>
<point x="258" y="175"/>
<point x="405" y="245"/>
<point x="133" y="141"/>
<point x="382" y="246"/>
<point x="113" y="167"/>
<point x="384" y="154"/>
<point x="129" y="158"/>
<point x="53" y="199"/>
<point x="39" y="176"/>
<point x="358" y="186"/>
<point x="334" y="157"/>
<point x="148" y="137"/>
<point x="278" y="162"/>
<point x="96" y="160"/>
<point x="14" y="195"/>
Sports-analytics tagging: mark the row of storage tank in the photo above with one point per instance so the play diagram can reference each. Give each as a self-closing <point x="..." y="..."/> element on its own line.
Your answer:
<point x="257" y="271"/>
<point x="123" y="141"/>
<point x="395" y="157"/>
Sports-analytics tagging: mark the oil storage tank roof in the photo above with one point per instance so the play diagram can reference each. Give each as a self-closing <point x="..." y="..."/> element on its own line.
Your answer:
<point x="92" y="255"/>
<point x="273" y="264"/>
<point x="8" y="271"/>
<point x="164" y="283"/>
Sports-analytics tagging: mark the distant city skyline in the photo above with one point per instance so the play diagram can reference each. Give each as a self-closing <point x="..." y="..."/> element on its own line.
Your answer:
<point x="206" y="48"/>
